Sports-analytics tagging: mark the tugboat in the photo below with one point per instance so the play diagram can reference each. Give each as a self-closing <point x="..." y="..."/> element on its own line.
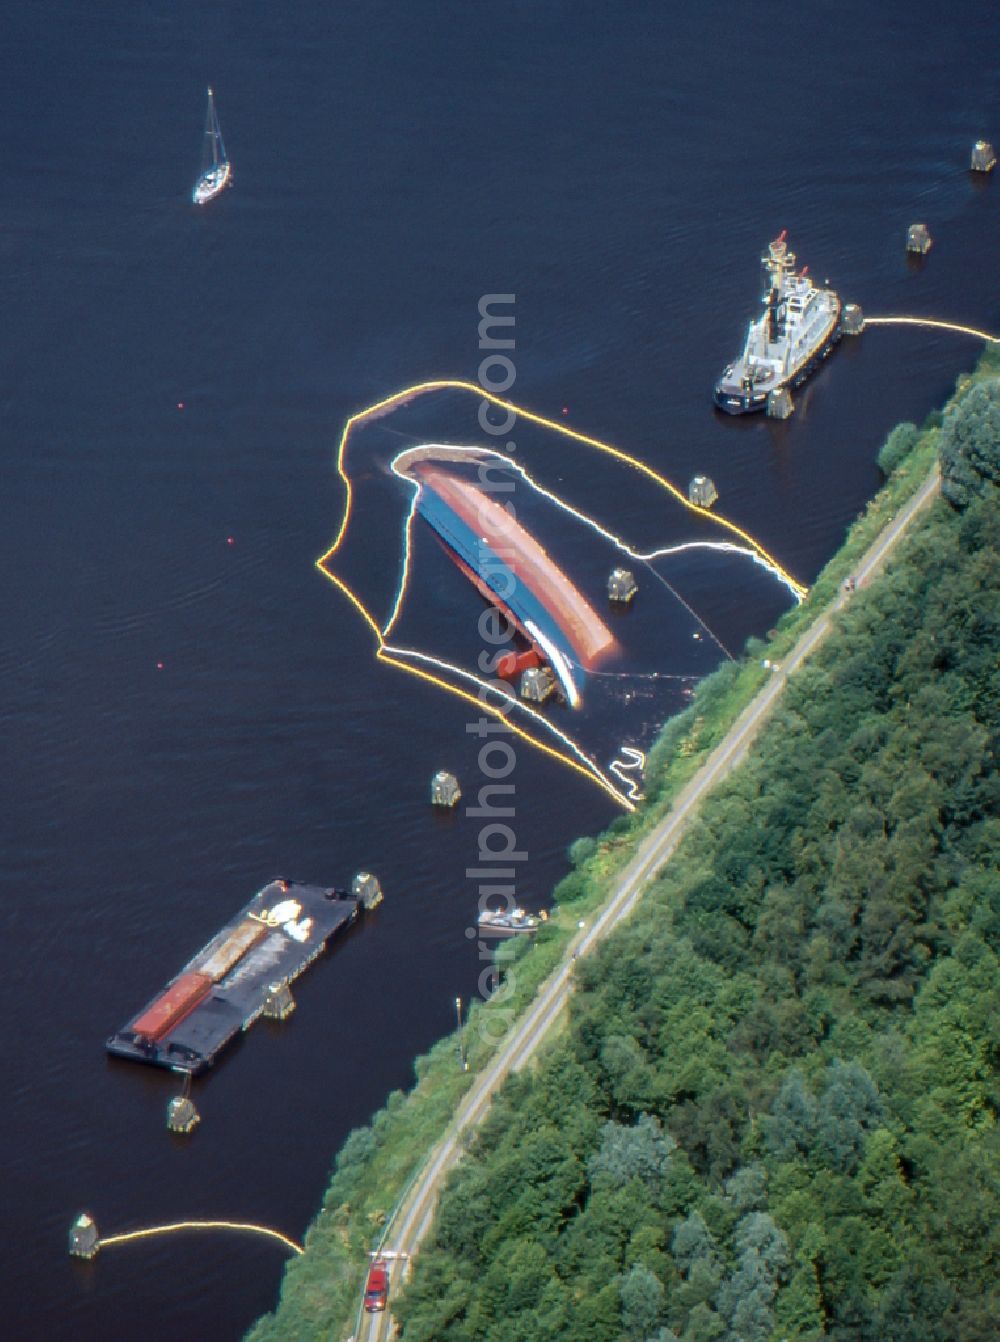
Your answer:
<point x="798" y="328"/>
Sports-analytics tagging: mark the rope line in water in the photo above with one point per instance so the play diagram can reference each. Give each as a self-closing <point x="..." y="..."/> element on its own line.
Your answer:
<point x="586" y="765"/>
<point x="934" y="323"/>
<point x="633" y="761"/>
<point x="690" y="610"/>
<point x="174" y="1227"/>
<point x="385" y="652"/>
<point x="644" y="675"/>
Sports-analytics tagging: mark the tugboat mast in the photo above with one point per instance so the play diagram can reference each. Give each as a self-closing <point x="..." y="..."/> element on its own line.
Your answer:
<point x="778" y="263"/>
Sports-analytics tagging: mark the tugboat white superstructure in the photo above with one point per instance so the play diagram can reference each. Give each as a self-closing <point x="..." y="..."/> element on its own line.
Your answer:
<point x="799" y="326"/>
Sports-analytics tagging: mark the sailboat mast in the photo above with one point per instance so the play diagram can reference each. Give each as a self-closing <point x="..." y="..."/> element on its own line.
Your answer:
<point x="212" y="131"/>
<point x="216" y="172"/>
<point x="219" y="148"/>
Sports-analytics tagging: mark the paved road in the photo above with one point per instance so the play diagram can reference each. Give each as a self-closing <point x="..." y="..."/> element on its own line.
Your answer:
<point x="415" y="1214"/>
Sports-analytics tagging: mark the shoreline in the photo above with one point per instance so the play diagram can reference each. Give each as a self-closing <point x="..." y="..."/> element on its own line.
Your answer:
<point x="379" y="1165"/>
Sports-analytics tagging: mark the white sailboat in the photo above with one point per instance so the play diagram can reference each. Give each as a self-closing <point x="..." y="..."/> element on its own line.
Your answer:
<point x="217" y="172"/>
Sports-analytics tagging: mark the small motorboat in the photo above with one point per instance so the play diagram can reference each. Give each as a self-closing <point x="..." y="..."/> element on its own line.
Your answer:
<point x="497" y="923"/>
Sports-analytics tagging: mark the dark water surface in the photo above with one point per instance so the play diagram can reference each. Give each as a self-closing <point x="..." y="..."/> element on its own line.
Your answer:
<point x="619" y="170"/>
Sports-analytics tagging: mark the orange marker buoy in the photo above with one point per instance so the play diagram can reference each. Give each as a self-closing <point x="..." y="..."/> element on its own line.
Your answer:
<point x="230" y="540"/>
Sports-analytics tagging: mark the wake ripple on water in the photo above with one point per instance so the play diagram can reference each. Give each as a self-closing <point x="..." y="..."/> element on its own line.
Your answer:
<point x="43" y="645"/>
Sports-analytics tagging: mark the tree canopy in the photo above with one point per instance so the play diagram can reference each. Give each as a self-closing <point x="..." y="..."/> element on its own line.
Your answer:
<point x="773" y="1115"/>
<point x="970" y="445"/>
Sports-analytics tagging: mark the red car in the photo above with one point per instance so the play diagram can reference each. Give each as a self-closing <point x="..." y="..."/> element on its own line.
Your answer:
<point x="377" y="1286"/>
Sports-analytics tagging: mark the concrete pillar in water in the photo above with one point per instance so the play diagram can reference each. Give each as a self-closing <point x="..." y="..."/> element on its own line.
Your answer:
<point x="918" y="239"/>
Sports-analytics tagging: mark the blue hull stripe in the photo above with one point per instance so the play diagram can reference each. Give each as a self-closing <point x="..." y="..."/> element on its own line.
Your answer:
<point x="524" y="604"/>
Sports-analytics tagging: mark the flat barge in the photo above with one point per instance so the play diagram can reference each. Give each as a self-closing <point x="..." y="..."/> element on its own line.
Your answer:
<point x="241" y="973"/>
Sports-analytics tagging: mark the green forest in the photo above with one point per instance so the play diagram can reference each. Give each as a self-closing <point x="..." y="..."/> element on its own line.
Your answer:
<point x="772" y="1113"/>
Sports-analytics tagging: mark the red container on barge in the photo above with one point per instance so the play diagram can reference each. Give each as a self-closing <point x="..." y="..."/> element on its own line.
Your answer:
<point x="172" y="1005"/>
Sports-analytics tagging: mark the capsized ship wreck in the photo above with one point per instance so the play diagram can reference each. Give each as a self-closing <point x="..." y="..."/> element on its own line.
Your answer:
<point x="798" y="328"/>
<point x="508" y="566"/>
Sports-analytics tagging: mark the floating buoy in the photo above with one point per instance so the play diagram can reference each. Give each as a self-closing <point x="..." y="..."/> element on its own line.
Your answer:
<point x="702" y="491"/>
<point x="852" y="319"/>
<point x="444" y="789"/>
<point x="622" y="586"/>
<point x="366" y="887"/>
<point x="182" y="1116"/>
<point x="279" y="1003"/>
<point x="537" y="684"/>
<point x="84" y="1240"/>
<point x="180" y="405"/>
<point x="984" y="157"/>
